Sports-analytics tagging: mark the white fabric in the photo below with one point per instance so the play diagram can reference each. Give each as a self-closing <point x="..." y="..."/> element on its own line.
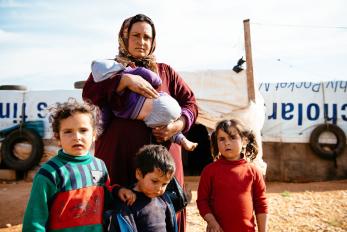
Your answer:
<point x="102" y="69"/>
<point x="165" y="109"/>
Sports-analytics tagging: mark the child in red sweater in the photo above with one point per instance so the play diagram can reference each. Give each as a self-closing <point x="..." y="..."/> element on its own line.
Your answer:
<point x="232" y="190"/>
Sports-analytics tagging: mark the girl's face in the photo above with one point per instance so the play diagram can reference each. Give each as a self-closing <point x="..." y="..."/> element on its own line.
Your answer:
<point x="76" y="134"/>
<point x="140" y="39"/>
<point x="153" y="184"/>
<point x="230" y="146"/>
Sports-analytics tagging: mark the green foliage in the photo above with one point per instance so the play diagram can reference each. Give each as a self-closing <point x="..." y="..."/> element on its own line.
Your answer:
<point x="285" y="194"/>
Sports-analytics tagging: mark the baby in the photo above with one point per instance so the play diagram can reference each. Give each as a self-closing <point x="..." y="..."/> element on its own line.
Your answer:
<point x="154" y="112"/>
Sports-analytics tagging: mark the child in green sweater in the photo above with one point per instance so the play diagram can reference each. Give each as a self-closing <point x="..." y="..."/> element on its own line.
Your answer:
<point x="70" y="191"/>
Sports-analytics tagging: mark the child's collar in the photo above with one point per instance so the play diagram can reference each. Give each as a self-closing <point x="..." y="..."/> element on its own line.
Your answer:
<point x="69" y="157"/>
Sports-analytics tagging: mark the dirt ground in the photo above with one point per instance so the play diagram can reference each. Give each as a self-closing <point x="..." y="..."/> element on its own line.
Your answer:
<point x="317" y="206"/>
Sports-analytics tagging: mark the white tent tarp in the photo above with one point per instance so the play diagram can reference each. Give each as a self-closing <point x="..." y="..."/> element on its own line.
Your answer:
<point x="294" y="109"/>
<point x="223" y="95"/>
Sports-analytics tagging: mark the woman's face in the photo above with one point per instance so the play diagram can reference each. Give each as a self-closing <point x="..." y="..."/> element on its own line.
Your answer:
<point x="140" y="39"/>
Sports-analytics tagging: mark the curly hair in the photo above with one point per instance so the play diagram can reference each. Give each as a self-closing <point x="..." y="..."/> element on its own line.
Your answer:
<point x="63" y="110"/>
<point x="251" y="150"/>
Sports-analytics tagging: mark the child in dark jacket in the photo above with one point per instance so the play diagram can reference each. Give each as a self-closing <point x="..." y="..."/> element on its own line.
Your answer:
<point x="153" y="209"/>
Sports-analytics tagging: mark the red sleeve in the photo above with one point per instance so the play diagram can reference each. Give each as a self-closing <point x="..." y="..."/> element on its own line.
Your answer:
<point x="204" y="192"/>
<point x="260" y="204"/>
<point x="178" y="89"/>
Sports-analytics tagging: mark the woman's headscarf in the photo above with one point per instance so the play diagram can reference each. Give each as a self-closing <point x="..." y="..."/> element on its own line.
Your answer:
<point x="124" y="57"/>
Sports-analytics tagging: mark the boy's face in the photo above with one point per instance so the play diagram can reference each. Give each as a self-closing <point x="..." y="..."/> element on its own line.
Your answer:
<point x="76" y="134"/>
<point x="153" y="184"/>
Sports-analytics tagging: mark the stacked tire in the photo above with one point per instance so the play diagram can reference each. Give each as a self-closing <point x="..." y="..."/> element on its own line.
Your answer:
<point x="10" y="156"/>
<point x="324" y="151"/>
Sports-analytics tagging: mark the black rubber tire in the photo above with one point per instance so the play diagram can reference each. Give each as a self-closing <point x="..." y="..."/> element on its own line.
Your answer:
<point x="18" y="136"/>
<point x="317" y="148"/>
<point x="13" y="87"/>
<point x="79" y="84"/>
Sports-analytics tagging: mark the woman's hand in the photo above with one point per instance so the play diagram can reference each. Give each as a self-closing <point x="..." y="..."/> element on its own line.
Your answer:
<point x="164" y="133"/>
<point x="138" y="85"/>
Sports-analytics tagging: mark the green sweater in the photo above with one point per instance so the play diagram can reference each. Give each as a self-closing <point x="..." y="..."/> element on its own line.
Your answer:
<point x="68" y="194"/>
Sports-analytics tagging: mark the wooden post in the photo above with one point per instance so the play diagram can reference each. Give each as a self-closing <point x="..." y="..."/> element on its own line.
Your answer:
<point x="249" y="63"/>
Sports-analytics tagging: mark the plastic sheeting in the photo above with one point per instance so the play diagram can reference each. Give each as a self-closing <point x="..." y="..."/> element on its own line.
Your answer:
<point x="295" y="109"/>
<point x="222" y="95"/>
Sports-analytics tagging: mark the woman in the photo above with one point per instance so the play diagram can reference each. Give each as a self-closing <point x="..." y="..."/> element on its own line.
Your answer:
<point x="122" y="138"/>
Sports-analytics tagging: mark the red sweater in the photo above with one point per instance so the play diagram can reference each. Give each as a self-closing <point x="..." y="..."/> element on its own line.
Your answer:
<point x="232" y="191"/>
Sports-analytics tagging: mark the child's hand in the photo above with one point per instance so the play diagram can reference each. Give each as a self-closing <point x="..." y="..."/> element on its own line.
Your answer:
<point x="212" y="224"/>
<point x="127" y="196"/>
<point x="213" y="227"/>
